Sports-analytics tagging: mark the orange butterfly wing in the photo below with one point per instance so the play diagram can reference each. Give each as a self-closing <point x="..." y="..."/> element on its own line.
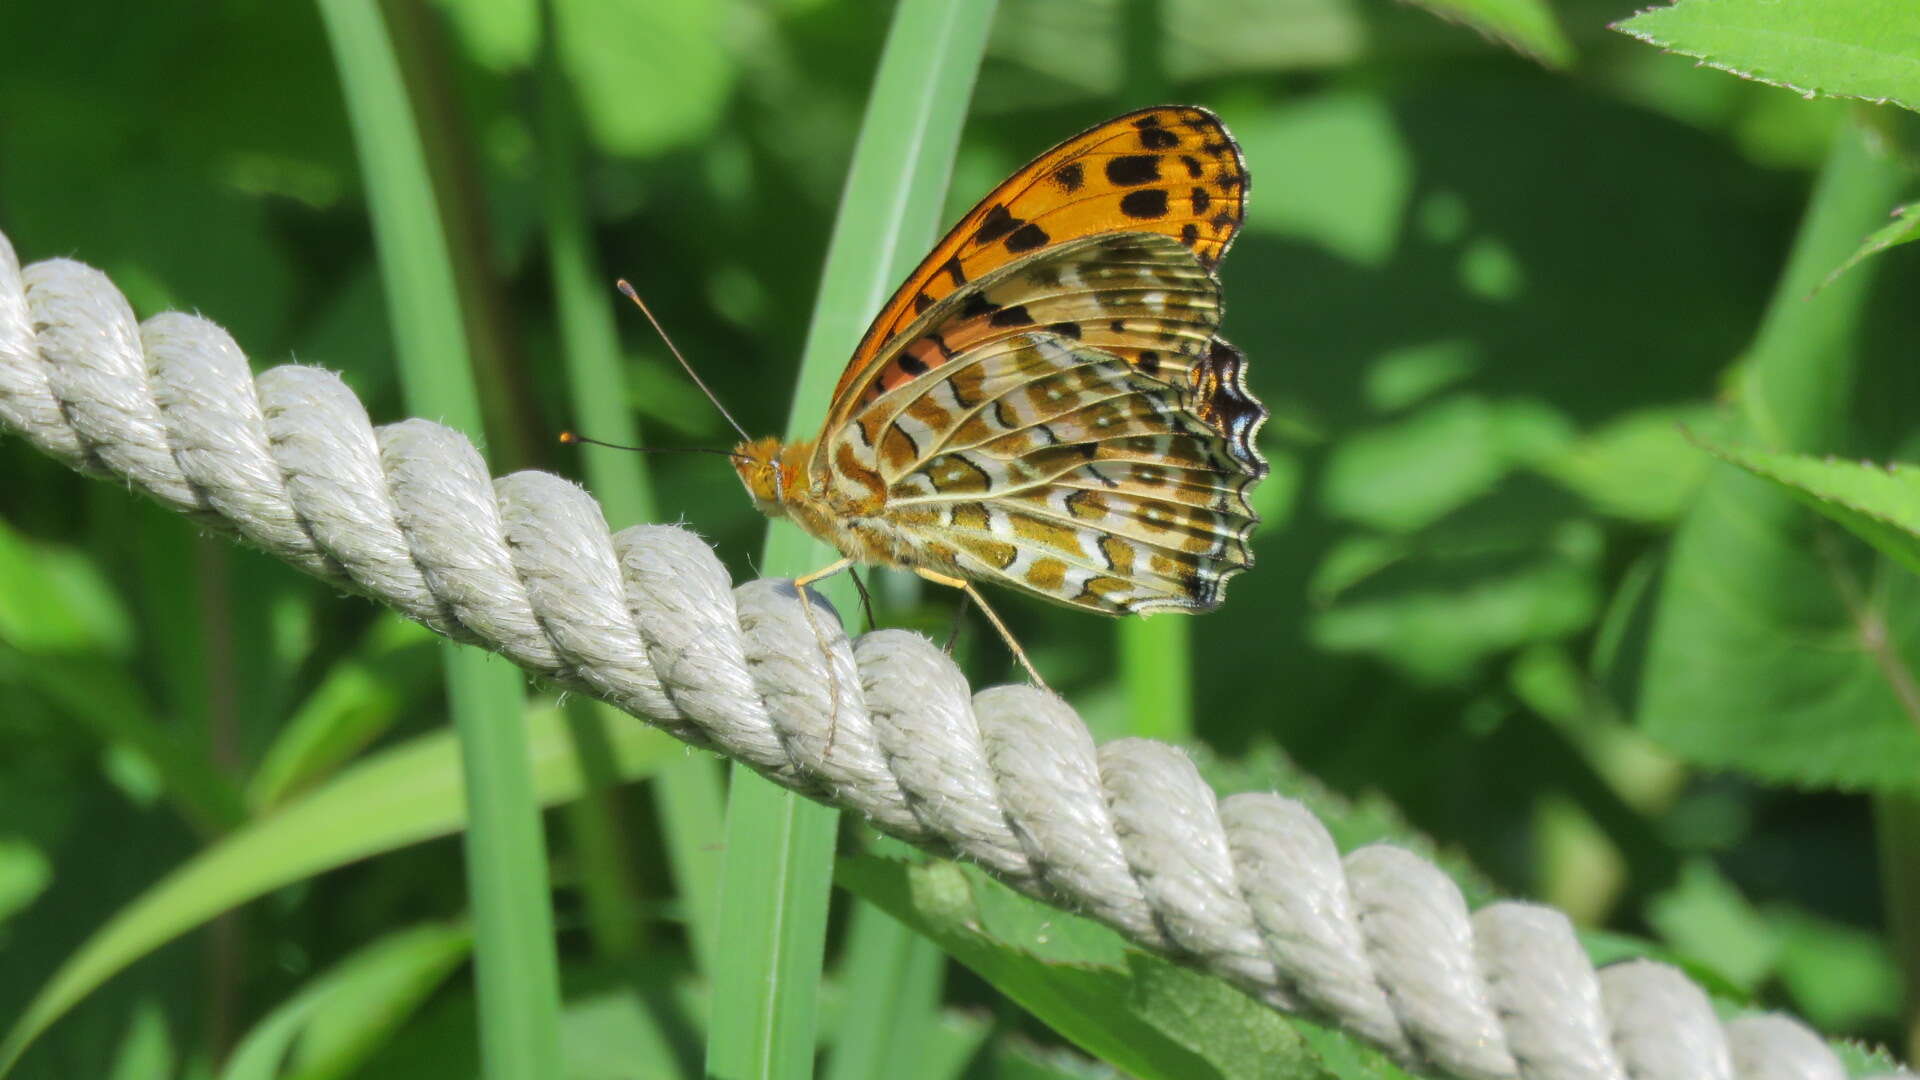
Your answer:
<point x="1172" y="169"/>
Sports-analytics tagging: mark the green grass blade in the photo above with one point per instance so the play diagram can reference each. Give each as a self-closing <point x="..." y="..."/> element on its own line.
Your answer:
<point x="778" y="872"/>
<point x="688" y="792"/>
<point x="1156" y="657"/>
<point x="340" y="1016"/>
<point x="597" y="396"/>
<point x="359" y="699"/>
<point x="402" y="796"/>
<point x="517" y="973"/>
<point x="893" y="977"/>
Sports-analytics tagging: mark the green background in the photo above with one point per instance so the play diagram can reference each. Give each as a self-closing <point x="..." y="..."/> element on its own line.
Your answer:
<point x="1486" y="300"/>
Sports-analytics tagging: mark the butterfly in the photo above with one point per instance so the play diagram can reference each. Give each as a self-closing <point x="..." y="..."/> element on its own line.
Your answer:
<point x="1045" y="402"/>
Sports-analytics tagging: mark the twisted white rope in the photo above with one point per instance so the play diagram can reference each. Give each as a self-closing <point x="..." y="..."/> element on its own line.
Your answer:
<point x="1250" y="888"/>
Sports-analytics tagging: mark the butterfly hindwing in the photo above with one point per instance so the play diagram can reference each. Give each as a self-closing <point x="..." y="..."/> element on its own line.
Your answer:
<point x="1070" y="425"/>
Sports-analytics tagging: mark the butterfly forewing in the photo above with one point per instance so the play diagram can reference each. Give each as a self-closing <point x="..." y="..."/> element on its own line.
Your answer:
<point x="1171" y="171"/>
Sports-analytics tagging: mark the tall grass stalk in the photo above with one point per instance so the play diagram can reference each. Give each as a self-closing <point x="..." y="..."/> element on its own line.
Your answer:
<point x="778" y="870"/>
<point x="515" y="967"/>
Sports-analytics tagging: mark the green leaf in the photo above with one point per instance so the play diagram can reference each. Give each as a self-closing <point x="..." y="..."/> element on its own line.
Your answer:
<point x="331" y="1025"/>
<point x="1409" y="474"/>
<point x="1141" y="1014"/>
<point x="1868" y="49"/>
<point x="402" y="796"/>
<point x="53" y="600"/>
<point x="672" y="57"/>
<point x="1905" y="229"/>
<point x="1638" y="466"/>
<point x="1525" y="25"/>
<point x="1707" y="919"/>
<point x="1778" y="648"/>
<point x="1877" y="503"/>
<point x="1841" y="977"/>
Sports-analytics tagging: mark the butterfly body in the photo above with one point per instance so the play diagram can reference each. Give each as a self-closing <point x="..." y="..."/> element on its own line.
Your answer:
<point x="1045" y="402"/>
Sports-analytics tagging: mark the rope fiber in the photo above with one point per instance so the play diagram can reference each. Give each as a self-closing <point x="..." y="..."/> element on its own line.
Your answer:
<point x="1250" y="888"/>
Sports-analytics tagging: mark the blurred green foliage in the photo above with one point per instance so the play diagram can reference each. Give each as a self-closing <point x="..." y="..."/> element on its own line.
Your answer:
<point x="1487" y="301"/>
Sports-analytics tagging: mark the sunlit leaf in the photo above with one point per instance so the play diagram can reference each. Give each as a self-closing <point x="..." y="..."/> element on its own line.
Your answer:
<point x="1848" y="48"/>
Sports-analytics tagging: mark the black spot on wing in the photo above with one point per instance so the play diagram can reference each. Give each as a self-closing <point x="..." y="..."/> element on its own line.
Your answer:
<point x="995" y="225"/>
<point x="1132" y="170"/>
<point x="1070" y="177"/>
<point x="1158" y="139"/>
<point x="912" y="364"/>
<point x="1194" y="172"/>
<point x="921" y="302"/>
<point x="1066" y="329"/>
<point x="1147" y="203"/>
<point x="1201" y="200"/>
<point x="1189" y="234"/>
<point x="1027" y="237"/>
<point x="1012" y="316"/>
<point x="976" y="305"/>
<point x="953" y="271"/>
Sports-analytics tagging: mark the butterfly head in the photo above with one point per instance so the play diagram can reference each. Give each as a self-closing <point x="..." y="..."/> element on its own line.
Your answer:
<point x="773" y="472"/>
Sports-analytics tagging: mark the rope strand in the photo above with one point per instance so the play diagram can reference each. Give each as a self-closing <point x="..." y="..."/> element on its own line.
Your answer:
<point x="1250" y="888"/>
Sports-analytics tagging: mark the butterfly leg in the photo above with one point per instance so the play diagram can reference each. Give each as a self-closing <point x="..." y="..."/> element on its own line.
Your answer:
<point x="821" y="574"/>
<point x="866" y="598"/>
<point x="993" y="617"/>
<point x="806" y="610"/>
<point x="959" y="613"/>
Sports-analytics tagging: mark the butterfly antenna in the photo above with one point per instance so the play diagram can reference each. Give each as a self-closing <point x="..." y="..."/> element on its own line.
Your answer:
<point x="691" y="374"/>
<point x="574" y="438"/>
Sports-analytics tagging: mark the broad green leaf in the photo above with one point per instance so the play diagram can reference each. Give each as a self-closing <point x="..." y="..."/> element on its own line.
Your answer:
<point x="331" y="1025"/>
<point x="1525" y="25"/>
<point x="1139" y="1013"/>
<point x="1905" y="229"/>
<point x="401" y="796"/>
<point x="1877" y="503"/>
<point x="1778" y="647"/>
<point x="1868" y="49"/>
